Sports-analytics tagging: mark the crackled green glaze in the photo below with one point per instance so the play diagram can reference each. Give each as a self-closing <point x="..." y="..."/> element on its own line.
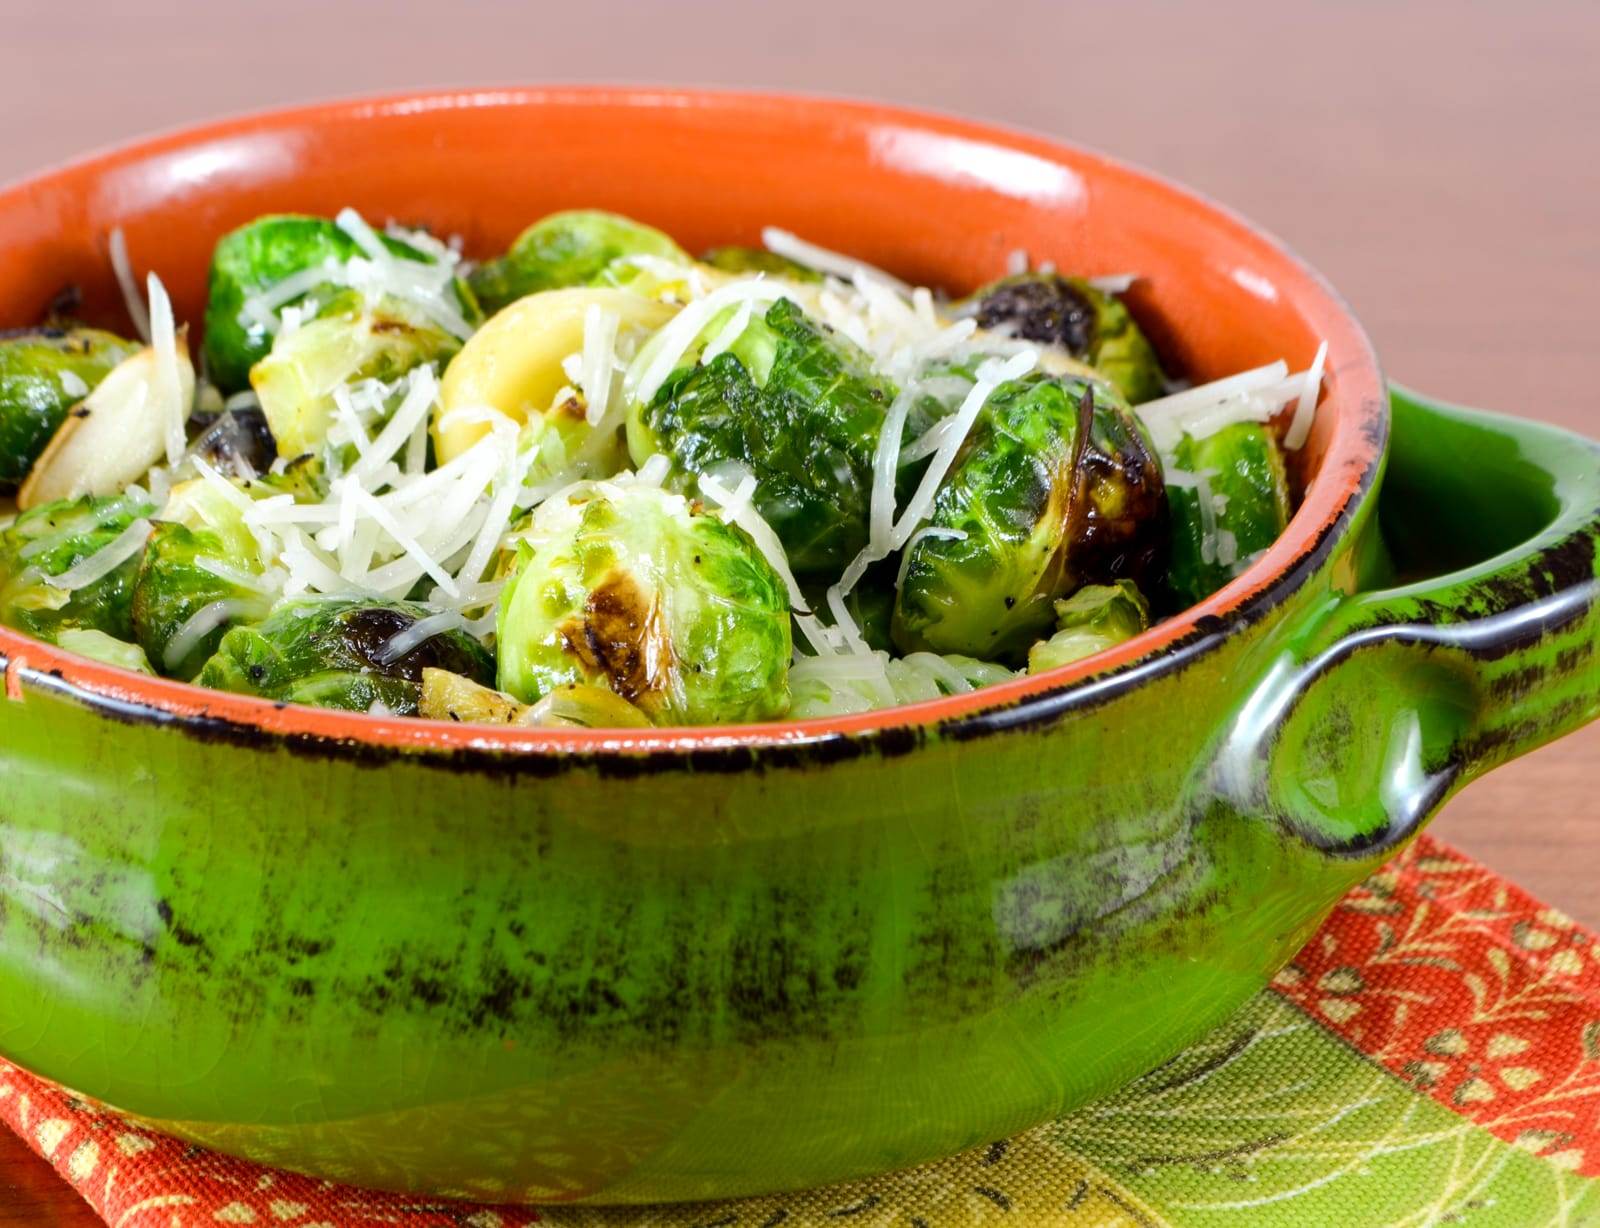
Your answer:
<point x="674" y="977"/>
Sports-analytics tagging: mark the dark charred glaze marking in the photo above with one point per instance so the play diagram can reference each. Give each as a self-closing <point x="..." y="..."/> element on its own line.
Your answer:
<point x="1079" y="1193"/>
<point x="776" y="1218"/>
<point x="995" y="1153"/>
<point x="183" y="935"/>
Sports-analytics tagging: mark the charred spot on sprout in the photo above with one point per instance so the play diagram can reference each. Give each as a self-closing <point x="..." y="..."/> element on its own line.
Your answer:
<point x="1071" y="314"/>
<point x="621" y="637"/>
<point x="1123" y="499"/>
<point x="1040" y="307"/>
<point x="369" y="630"/>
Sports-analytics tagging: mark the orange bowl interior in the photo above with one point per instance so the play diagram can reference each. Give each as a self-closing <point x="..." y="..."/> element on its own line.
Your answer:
<point x="937" y="201"/>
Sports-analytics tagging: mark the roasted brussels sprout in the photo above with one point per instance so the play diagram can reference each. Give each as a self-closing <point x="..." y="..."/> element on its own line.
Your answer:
<point x="844" y="685"/>
<point x="1070" y="313"/>
<point x="450" y="697"/>
<point x="349" y="341"/>
<point x="745" y="260"/>
<point x="797" y="406"/>
<point x="44" y="372"/>
<point x="630" y="588"/>
<point x="1055" y="487"/>
<point x="90" y="548"/>
<point x="338" y="652"/>
<point x="200" y="575"/>
<point x="1096" y="617"/>
<point x="566" y="249"/>
<point x="263" y="254"/>
<point x="1229" y="497"/>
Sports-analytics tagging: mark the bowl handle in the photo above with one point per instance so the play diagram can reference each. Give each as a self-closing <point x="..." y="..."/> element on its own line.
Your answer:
<point x="1479" y="645"/>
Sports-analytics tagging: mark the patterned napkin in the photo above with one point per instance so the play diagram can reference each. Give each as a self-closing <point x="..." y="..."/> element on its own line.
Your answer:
<point x="1431" y="1057"/>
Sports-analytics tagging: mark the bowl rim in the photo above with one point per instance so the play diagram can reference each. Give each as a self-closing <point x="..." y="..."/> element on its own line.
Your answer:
<point x="1350" y="468"/>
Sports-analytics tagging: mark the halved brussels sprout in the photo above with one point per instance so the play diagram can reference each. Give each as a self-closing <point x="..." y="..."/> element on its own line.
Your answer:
<point x="1070" y="313"/>
<point x="450" y="697"/>
<point x="201" y="575"/>
<point x="1055" y="487"/>
<point x="1229" y="496"/>
<point x="1096" y="617"/>
<point x="117" y="433"/>
<point x="61" y="541"/>
<point x="630" y="588"/>
<point x="792" y="403"/>
<point x="340" y="652"/>
<point x="566" y="249"/>
<point x="351" y="340"/>
<point x="264" y="253"/>
<point x="44" y="372"/>
<point x="512" y="367"/>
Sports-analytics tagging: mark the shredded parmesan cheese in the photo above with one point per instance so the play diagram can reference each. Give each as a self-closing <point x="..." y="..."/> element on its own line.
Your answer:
<point x="123" y="268"/>
<point x="1305" y="410"/>
<point x="168" y="383"/>
<point x="659" y="360"/>
<point x="736" y="508"/>
<point x="103" y="561"/>
<point x="200" y="624"/>
<point x="419" y="632"/>
<point x="991" y="374"/>
<point x="782" y="243"/>
<point x="600" y="326"/>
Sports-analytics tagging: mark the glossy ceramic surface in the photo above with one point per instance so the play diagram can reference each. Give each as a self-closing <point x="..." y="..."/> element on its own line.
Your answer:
<point x="681" y="964"/>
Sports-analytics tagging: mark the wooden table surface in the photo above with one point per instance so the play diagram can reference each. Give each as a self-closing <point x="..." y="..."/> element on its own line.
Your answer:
<point x="1437" y="160"/>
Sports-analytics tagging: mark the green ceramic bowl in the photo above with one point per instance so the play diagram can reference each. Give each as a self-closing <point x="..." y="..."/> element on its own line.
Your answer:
<point x="674" y="964"/>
